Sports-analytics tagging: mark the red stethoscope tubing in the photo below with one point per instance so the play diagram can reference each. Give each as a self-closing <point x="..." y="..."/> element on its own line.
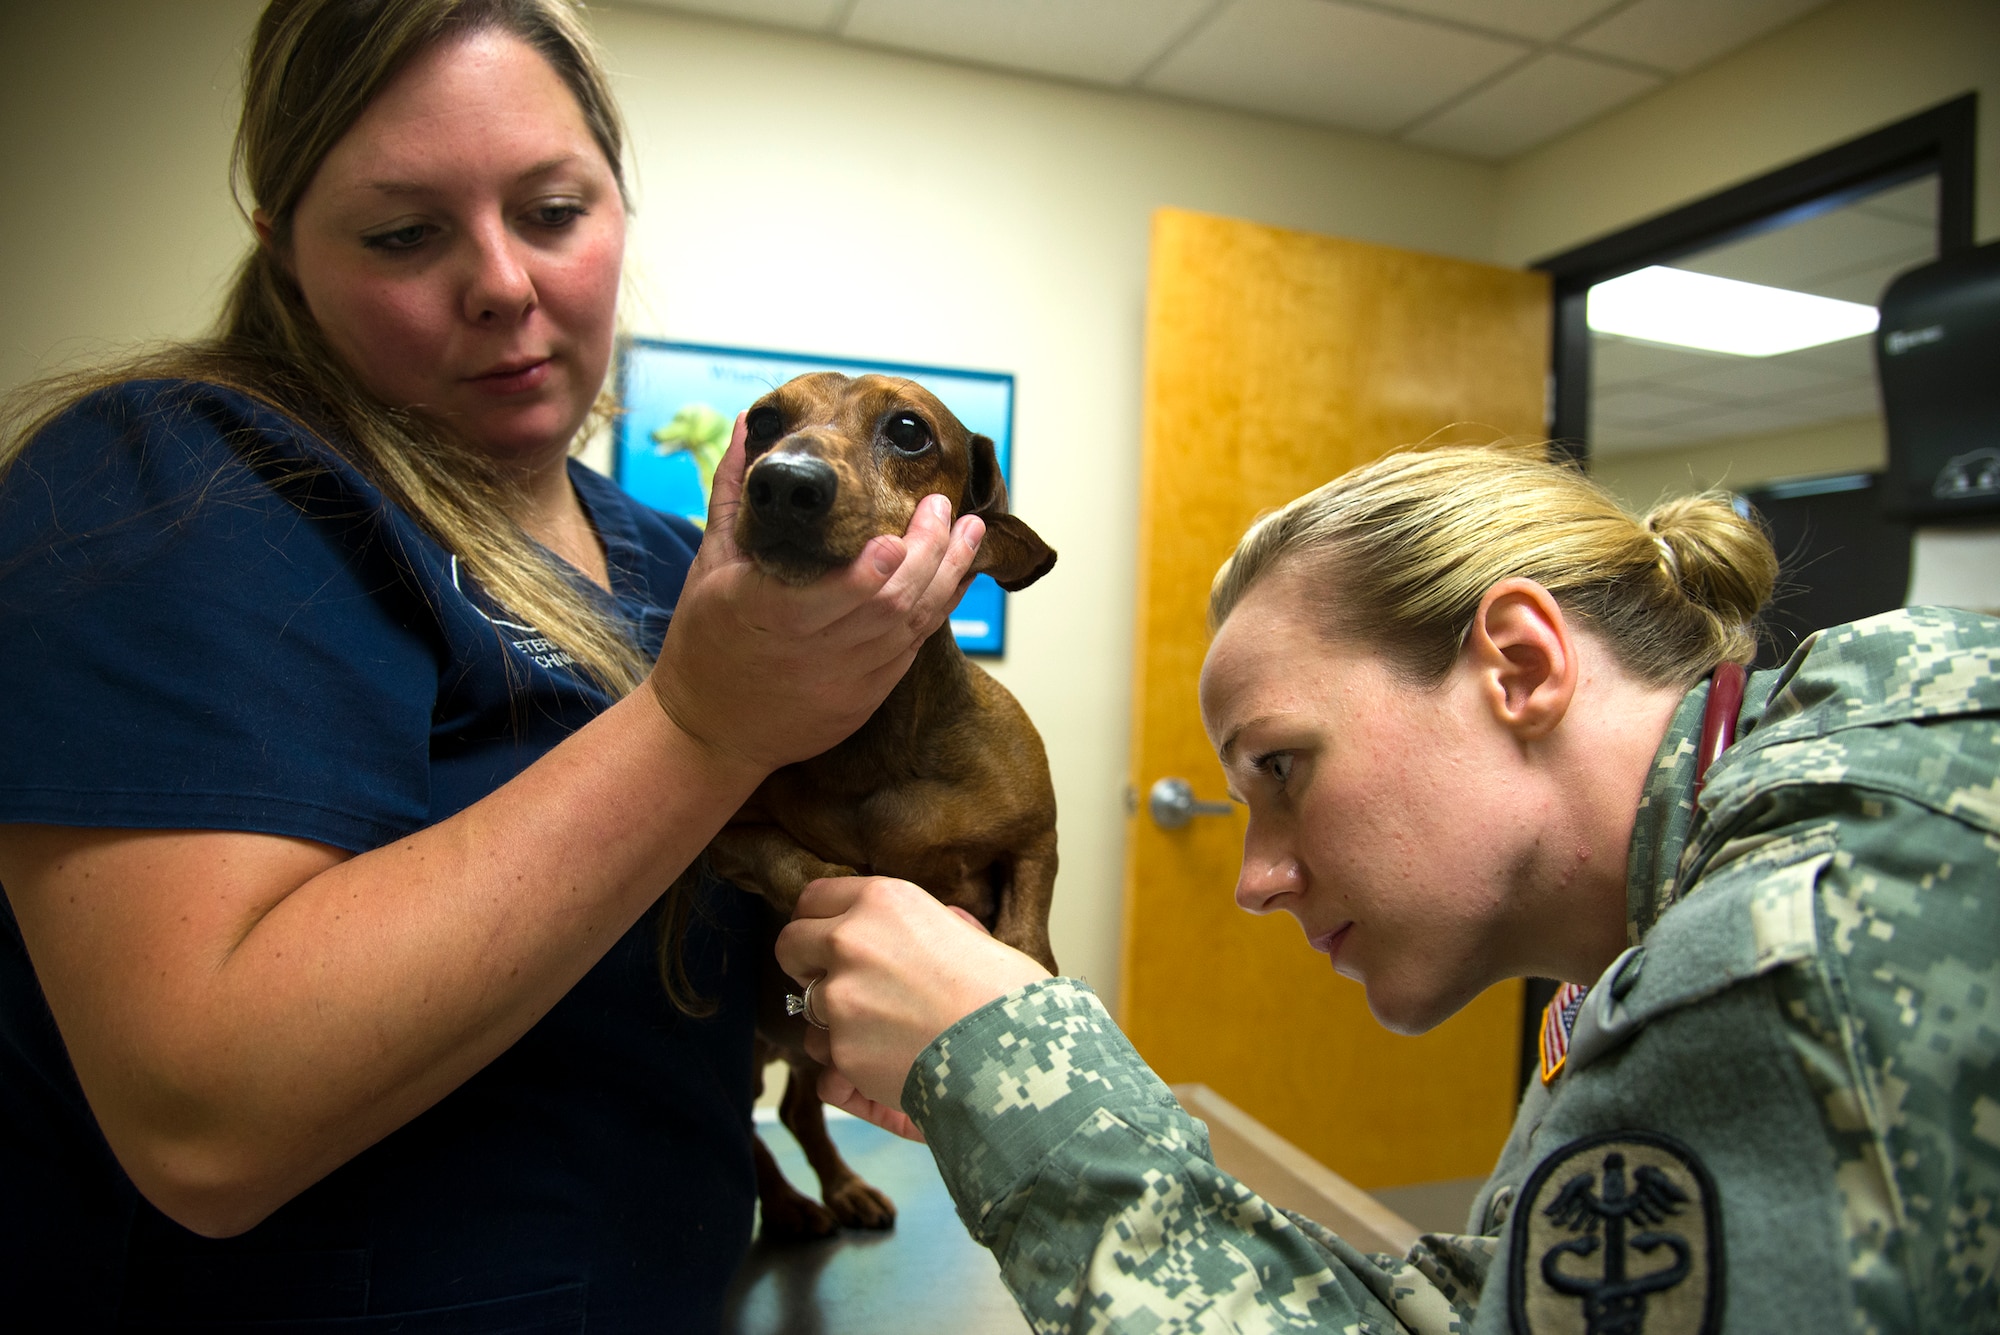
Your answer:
<point x="1718" y="719"/>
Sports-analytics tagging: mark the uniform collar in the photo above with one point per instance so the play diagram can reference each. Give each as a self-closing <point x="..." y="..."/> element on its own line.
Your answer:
<point x="1665" y="818"/>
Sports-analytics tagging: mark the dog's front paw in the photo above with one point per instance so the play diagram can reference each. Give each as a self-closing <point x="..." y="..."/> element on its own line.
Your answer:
<point x="858" y="1205"/>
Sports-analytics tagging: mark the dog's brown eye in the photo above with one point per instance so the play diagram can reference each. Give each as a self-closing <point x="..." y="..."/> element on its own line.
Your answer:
<point x="765" y="426"/>
<point x="907" y="433"/>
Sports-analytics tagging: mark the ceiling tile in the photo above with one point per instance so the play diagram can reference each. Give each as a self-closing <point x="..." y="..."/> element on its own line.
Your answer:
<point x="1753" y="419"/>
<point x="1834" y="243"/>
<point x="1612" y="439"/>
<point x="1616" y="361"/>
<point x="1680" y="34"/>
<point x="1915" y="202"/>
<point x="1320" y="61"/>
<point x="1850" y="358"/>
<point x="817" y="15"/>
<point x="1541" y="20"/>
<point x="1548" y="95"/>
<point x="1760" y="378"/>
<point x="1867" y="283"/>
<point x="1647" y="405"/>
<point x="1852" y="399"/>
<point x="1105" y="41"/>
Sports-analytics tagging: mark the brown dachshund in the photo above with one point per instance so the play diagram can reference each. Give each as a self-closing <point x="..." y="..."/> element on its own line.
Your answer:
<point x="946" y="785"/>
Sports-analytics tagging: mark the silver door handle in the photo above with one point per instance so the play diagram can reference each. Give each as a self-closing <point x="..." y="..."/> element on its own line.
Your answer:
<point x="1173" y="804"/>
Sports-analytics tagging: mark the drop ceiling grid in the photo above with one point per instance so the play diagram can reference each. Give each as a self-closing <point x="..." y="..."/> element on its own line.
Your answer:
<point x="1485" y="78"/>
<point x="1684" y="397"/>
<point x="1335" y="64"/>
<point x="1645" y="396"/>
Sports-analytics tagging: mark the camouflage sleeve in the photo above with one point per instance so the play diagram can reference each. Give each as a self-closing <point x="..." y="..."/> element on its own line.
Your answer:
<point x="1098" y="1195"/>
<point x="1898" y="1028"/>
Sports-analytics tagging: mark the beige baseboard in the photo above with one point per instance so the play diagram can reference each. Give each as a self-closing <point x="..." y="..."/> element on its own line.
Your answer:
<point x="1287" y="1176"/>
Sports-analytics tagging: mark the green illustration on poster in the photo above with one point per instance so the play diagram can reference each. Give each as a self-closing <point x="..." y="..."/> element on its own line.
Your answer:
<point x="680" y="400"/>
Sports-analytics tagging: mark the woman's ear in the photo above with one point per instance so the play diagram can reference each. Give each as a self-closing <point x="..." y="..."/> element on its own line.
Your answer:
<point x="1521" y="647"/>
<point x="267" y="237"/>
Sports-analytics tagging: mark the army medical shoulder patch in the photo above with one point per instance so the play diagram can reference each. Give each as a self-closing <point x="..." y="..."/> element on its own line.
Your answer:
<point x="1619" y="1233"/>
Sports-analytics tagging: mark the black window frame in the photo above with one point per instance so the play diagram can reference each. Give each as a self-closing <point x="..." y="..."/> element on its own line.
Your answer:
<point x="1941" y="140"/>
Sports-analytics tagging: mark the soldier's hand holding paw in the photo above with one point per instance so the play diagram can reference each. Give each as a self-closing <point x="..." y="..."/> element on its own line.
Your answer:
<point x="895" y="969"/>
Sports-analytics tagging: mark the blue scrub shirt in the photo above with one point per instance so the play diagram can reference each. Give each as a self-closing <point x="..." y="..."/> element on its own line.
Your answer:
<point x="208" y="620"/>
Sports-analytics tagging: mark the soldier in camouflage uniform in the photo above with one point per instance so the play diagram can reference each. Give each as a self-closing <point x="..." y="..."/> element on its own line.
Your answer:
<point x="1778" y="1110"/>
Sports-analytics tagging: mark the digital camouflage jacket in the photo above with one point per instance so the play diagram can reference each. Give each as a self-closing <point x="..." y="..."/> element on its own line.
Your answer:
<point x="1780" y="1111"/>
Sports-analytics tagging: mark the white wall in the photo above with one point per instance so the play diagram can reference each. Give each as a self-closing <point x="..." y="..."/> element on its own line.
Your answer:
<point x="803" y="195"/>
<point x="793" y="194"/>
<point x="118" y="116"/>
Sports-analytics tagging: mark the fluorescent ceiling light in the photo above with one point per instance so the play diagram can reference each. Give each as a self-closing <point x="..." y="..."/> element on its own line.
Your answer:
<point x="1698" y="310"/>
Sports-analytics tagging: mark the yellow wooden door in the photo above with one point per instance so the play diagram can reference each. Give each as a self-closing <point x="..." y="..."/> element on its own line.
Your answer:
<point x="1274" y="361"/>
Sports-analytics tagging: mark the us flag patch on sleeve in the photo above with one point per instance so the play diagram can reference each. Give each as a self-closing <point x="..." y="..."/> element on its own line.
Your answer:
<point x="1558" y="1018"/>
<point x="1618" y="1233"/>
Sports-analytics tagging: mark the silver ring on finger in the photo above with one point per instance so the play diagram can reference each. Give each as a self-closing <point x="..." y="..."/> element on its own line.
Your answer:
<point x="802" y="1006"/>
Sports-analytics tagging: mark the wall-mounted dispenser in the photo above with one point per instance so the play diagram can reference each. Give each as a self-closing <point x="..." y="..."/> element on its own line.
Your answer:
<point x="1937" y="352"/>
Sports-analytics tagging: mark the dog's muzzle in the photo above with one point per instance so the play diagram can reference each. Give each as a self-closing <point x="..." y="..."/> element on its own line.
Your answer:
<point x="791" y="494"/>
<point x="788" y="499"/>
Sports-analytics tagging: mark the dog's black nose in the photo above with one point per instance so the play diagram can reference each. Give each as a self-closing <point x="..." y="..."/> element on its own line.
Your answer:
<point x="790" y="489"/>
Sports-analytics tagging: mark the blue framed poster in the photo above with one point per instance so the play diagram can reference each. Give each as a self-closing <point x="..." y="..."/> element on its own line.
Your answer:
<point x="679" y="401"/>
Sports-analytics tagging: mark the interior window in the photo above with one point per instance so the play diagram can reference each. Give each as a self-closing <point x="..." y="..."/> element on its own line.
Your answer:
<point x="1753" y="387"/>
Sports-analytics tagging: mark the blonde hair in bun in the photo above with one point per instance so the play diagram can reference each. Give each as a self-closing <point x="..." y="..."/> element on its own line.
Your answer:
<point x="1402" y="550"/>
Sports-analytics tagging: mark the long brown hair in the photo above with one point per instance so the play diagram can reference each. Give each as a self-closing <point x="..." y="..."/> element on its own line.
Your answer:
<point x="314" y="67"/>
<point x="1404" y="548"/>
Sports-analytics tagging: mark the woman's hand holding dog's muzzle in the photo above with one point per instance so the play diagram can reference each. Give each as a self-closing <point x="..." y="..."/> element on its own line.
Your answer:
<point x="762" y="673"/>
<point x="896" y="968"/>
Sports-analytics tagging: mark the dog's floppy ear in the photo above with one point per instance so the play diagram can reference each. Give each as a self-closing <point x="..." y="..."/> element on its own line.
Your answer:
<point x="1012" y="553"/>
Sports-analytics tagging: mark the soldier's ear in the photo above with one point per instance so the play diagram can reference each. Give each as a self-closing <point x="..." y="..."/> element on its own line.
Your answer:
<point x="1519" y="643"/>
<point x="1012" y="553"/>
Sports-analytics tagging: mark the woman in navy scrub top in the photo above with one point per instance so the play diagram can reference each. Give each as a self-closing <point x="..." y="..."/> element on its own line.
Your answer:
<point x="353" y="734"/>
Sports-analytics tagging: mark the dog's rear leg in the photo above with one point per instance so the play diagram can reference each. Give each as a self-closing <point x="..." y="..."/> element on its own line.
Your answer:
<point x="853" y="1202"/>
